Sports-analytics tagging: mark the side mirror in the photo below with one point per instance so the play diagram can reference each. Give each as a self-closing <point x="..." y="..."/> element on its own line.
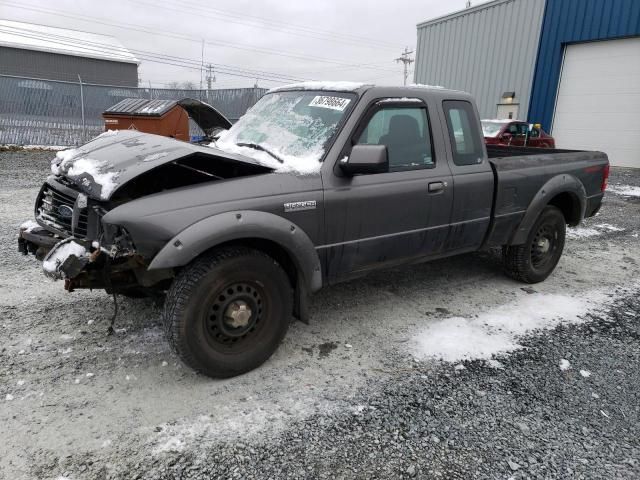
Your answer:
<point x="366" y="159"/>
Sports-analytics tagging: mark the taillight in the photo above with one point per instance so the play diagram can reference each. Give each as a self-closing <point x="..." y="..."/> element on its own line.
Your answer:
<point x="605" y="178"/>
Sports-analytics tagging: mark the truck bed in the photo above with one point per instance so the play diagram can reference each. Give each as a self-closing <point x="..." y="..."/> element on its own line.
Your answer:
<point x="501" y="151"/>
<point x="521" y="174"/>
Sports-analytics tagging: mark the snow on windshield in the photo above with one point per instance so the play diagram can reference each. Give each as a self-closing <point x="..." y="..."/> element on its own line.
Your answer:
<point x="491" y="128"/>
<point x="288" y="131"/>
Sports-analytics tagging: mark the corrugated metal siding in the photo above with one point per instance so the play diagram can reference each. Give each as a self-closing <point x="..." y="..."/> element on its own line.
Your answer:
<point x="142" y="106"/>
<point x="486" y="50"/>
<point x="572" y="21"/>
<point x="54" y="66"/>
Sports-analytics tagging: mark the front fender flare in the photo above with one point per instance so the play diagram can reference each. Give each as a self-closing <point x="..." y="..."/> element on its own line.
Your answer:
<point x="563" y="183"/>
<point x="243" y="224"/>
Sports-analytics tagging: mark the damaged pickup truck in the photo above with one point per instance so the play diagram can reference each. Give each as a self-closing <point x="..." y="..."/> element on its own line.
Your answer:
<point x="316" y="184"/>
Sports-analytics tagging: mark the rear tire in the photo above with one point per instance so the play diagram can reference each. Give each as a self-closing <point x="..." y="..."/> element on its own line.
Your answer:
<point x="227" y="312"/>
<point x="534" y="261"/>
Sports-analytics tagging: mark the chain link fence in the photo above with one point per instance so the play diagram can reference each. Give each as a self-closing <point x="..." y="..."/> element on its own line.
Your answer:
<point x="49" y="112"/>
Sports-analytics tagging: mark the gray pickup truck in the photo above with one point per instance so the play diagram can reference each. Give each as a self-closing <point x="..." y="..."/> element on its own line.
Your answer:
<point x="316" y="184"/>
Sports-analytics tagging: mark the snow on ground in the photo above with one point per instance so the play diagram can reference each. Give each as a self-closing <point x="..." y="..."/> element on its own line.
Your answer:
<point x="36" y="147"/>
<point x="624" y="190"/>
<point x="497" y="331"/>
<point x="564" y="365"/>
<point x="586" y="232"/>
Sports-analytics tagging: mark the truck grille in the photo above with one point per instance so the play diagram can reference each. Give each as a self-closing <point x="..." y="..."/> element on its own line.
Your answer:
<point x="51" y="209"/>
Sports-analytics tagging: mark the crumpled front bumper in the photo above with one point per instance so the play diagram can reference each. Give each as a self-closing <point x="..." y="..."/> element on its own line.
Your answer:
<point x="47" y="247"/>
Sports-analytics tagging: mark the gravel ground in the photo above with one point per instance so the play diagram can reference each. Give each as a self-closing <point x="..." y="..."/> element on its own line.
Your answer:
<point x="345" y="397"/>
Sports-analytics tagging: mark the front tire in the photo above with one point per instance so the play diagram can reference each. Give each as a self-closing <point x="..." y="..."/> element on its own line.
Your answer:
<point x="534" y="261"/>
<point x="227" y="312"/>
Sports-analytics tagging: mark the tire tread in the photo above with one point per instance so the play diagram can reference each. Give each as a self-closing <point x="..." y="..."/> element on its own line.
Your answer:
<point x="180" y="293"/>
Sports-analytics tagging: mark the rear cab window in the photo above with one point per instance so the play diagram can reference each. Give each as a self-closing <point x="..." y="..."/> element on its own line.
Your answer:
<point x="464" y="134"/>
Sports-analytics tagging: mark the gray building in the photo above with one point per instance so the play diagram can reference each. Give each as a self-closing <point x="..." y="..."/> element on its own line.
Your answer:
<point x="488" y="50"/>
<point x="43" y="52"/>
<point x="571" y="65"/>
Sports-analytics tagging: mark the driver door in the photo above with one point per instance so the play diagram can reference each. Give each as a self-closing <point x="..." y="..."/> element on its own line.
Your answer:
<point x="383" y="219"/>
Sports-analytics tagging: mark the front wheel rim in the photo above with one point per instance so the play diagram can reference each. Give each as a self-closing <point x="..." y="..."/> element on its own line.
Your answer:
<point x="236" y="316"/>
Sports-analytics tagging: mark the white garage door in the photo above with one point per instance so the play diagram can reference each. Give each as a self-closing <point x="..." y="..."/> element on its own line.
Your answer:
<point x="598" y="104"/>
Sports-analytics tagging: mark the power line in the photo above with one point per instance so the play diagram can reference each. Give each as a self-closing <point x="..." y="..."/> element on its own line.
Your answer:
<point x="169" y="34"/>
<point x="101" y="48"/>
<point x="270" y="24"/>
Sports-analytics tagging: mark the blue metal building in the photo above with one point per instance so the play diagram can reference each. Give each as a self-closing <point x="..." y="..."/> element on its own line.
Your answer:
<point x="571" y="65"/>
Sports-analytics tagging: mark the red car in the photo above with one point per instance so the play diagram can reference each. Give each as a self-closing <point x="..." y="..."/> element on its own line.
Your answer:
<point x="513" y="132"/>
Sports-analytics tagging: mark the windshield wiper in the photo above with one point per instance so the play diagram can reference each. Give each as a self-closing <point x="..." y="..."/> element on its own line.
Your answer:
<point x="256" y="146"/>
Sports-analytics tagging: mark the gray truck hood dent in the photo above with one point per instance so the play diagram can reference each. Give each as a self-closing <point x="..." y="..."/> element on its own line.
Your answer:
<point x="102" y="166"/>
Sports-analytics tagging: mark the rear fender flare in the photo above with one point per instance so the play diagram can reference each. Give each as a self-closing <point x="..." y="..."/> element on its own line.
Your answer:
<point x="243" y="224"/>
<point x="563" y="183"/>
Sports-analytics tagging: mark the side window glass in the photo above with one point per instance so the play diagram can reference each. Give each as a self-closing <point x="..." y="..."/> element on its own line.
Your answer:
<point x="406" y="134"/>
<point x="523" y="129"/>
<point x="534" y="133"/>
<point x="464" y="133"/>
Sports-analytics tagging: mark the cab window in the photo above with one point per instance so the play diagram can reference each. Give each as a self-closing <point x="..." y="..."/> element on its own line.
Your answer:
<point x="464" y="133"/>
<point x="406" y="134"/>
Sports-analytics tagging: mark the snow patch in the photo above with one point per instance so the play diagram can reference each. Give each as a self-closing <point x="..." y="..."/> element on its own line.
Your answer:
<point x="585" y="373"/>
<point x="29" y="226"/>
<point x="155" y="156"/>
<point x="98" y="171"/>
<point x="59" y="255"/>
<point x="335" y="86"/>
<point x="73" y="164"/>
<point x="587" y="232"/>
<point x="624" y="190"/>
<point x="62" y="160"/>
<point x="564" y="365"/>
<point x="108" y="133"/>
<point x="495" y="364"/>
<point x="400" y="100"/>
<point x="424" y="85"/>
<point x="497" y="331"/>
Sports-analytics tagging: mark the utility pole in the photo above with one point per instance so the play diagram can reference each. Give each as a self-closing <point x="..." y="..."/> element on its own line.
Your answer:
<point x="211" y="77"/>
<point x="84" y="131"/>
<point x="406" y="60"/>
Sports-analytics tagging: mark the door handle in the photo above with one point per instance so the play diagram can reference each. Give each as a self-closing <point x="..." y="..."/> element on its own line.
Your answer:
<point x="435" y="187"/>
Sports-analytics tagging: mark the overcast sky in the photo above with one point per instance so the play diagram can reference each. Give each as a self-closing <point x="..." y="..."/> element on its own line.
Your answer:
<point x="319" y="40"/>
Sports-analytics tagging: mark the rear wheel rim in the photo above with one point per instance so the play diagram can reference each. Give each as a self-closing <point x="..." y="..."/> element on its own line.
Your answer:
<point x="545" y="246"/>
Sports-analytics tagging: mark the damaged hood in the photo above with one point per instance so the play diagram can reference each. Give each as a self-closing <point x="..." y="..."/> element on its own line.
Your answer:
<point x="208" y="118"/>
<point x="113" y="159"/>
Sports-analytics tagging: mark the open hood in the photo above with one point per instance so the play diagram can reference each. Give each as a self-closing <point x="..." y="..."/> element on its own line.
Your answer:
<point x="208" y="118"/>
<point x="105" y="165"/>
